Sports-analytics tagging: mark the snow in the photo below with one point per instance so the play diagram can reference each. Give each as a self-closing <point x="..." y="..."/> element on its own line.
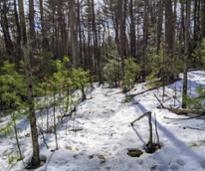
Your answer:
<point x="105" y="134"/>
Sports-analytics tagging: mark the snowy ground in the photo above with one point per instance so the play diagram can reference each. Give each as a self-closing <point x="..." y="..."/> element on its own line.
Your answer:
<point x="105" y="135"/>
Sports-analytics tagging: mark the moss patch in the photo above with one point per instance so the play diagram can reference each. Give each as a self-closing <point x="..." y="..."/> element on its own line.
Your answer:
<point x="134" y="152"/>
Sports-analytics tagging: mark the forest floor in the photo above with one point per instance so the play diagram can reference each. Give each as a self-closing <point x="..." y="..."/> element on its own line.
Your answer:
<point x="103" y="134"/>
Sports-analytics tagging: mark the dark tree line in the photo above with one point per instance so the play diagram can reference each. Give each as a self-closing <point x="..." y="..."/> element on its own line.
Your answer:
<point x="84" y="29"/>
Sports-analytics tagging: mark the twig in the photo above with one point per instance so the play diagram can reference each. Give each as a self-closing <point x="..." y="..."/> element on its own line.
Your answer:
<point x="70" y="113"/>
<point x="161" y="104"/>
<point x="199" y="129"/>
<point x="142" y="92"/>
<point x="156" y="128"/>
<point x="187" y="118"/>
<point x="142" y="116"/>
<point x="139" y="136"/>
<point x="76" y="129"/>
<point x="44" y="140"/>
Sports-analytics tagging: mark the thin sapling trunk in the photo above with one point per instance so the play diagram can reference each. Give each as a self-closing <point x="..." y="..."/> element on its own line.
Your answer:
<point x="54" y="120"/>
<point x="16" y="136"/>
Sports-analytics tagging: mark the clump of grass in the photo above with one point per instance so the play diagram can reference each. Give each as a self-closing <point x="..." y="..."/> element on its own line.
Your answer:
<point x="128" y="98"/>
<point x="6" y="130"/>
<point x="194" y="145"/>
<point x="13" y="158"/>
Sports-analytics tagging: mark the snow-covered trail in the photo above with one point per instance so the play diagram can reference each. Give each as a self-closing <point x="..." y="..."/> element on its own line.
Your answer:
<point x="104" y="135"/>
<point x="106" y="125"/>
<point x="107" y="134"/>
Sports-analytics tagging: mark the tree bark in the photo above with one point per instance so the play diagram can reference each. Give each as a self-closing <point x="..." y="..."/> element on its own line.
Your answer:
<point x="73" y="32"/>
<point x="28" y="71"/>
<point x="132" y="31"/>
<point x="32" y="23"/>
<point x="18" y="40"/>
<point x="186" y="54"/>
<point x="45" y="42"/>
<point x="16" y="136"/>
<point x="203" y="19"/>
<point x="145" y="37"/>
<point x="4" y="9"/>
<point x="169" y="27"/>
<point x="97" y="56"/>
<point x="159" y="23"/>
<point x="22" y="21"/>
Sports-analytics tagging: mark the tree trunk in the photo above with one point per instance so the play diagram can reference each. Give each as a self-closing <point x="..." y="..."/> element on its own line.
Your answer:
<point x="132" y="31"/>
<point x="16" y="136"/>
<point x="145" y="37"/>
<point x="203" y="19"/>
<point x="196" y="4"/>
<point x="32" y="23"/>
<point x="45" y="43"/>
<point x="28" y="71"/>
<point x="159" y="23"/>
<point x="54" y="120"/>
<point x="4" y="9"/>
<point x="186" y="55"/>
<point x="22" y="21"/>
<point x="169" y="27"/>
<point x="81" y="54"/>
<point x="18" y="40"/>
<point x="95" y="43"/>
<point x="182" y="27"/>
<point x="73" y="32"/>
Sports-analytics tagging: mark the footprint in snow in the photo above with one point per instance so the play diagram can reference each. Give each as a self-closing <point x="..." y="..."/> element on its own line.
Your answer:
<point x="180" y="162"/>
<point x="174" y="166"/>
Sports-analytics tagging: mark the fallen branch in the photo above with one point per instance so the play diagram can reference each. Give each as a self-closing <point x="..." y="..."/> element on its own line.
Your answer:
<point x="179" y="111"/>
<point x="142" y="92"/>
<point x="185" y="111"/>
<point x="187" y="118"/>
<point x="142" y="116"/>
<point x="160" y="102"/>
<point x="70" y="113"/>
<point x="137" y="133"/>
<point x="152" y="88"/>
<point x="44" y="140"/>
<point x="76" y="129"/>
<point x="199" y="129"/>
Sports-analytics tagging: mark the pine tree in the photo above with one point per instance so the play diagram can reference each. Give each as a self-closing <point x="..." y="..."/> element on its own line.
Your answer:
<point x="132" y="71"/>
<point x="12" y="91"/>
